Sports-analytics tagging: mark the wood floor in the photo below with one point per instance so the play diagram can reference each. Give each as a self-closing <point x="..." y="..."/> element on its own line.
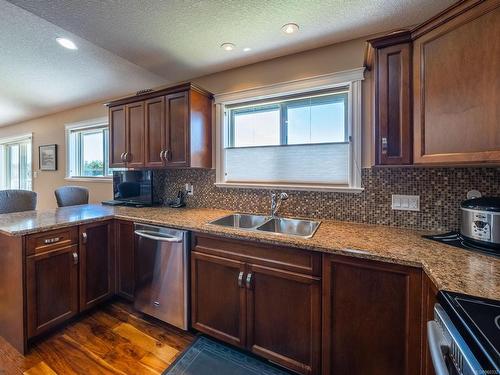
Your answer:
<point x="110" y="340"/>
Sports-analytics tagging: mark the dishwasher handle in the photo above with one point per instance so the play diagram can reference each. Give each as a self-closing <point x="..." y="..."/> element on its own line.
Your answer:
<point x="438" y="348"/>
<point x="157" y="236"/>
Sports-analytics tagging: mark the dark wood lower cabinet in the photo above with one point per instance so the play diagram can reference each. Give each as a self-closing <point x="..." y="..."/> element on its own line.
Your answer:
<point x="97" y="281"/>
<point x="247" y="300"/>
<point x="284" y="317"/>
<point x="218" y="299"/>
<point x="124" y="240"/>
<point x="372" y="317"/>
<point x="52" y="288"/>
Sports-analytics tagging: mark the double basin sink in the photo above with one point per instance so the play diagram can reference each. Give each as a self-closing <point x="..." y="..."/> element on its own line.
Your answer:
<point x="277" y="225"/>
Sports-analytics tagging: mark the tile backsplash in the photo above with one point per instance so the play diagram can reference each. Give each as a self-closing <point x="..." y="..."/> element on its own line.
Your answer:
<point x="440" y="189"/>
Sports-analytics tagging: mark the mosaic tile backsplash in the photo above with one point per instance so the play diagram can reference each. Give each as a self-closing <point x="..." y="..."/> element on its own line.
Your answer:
<point x="441" y="190"/>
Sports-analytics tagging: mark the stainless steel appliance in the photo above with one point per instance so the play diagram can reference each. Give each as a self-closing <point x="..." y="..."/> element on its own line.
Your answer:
<point x="464" y="337"/>
<point x="161" y="270"/>
<point x="481" y="221"/>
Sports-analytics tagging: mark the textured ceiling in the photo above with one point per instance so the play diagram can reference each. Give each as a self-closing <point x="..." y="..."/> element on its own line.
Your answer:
<point x="125" y="45"/>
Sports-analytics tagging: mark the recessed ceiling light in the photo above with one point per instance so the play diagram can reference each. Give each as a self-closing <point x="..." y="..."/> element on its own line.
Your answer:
<point x="227" y="46"/>
<point x="290" y="28"/>
<point x="246" y="49"/>
<point x="66" y="43"/>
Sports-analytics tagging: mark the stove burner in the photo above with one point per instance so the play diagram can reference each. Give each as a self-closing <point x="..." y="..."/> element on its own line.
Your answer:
<point x="456" y="239"/>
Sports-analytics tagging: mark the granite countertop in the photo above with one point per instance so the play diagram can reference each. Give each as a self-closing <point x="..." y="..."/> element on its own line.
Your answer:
<point x="448" y="267"/>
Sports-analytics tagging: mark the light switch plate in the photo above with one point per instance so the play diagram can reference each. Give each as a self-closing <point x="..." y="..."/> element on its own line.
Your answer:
<point x="189" y="189"/>
<point x="406" y="202"/>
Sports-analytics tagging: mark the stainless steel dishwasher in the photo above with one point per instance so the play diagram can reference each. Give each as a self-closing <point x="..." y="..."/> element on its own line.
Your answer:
<point x="161" y="273"/>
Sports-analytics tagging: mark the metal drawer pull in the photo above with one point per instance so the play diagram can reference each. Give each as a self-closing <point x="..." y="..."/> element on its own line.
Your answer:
<point x="240" y="279"/>
<point x="165" y="155"/>
<point x="384" y="145"/>
<point x="75" y="258"/>
<point x="122" y="156"/>
<point x="51" y="240"/>
<point x="249" y="281"/>
<point x="161" y="155"/>
<point x="84" y="237"/>
<point x="157" y="236"/>
<point x="438" y="348"/>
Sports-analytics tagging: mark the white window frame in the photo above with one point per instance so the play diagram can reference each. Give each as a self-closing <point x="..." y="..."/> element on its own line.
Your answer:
<point x="349" y="78"/>
<point x="84" y="125"/>
<point x="22" y="137"/>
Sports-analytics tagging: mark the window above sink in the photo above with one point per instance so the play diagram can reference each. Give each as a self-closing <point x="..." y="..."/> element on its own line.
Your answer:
<point x="301" y="135"/>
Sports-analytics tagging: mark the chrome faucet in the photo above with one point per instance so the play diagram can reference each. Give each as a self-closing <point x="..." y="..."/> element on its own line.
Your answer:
<point x="276" y="200"/>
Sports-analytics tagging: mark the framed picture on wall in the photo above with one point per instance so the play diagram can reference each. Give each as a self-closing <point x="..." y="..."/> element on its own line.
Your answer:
<point x="48" y="158"/>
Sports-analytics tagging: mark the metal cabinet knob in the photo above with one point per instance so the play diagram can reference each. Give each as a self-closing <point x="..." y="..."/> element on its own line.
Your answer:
<point x="249" y="281"/>
<point x="75" y="258"/>
<point x="84" y="237"/>
<point x="240" y="279"/>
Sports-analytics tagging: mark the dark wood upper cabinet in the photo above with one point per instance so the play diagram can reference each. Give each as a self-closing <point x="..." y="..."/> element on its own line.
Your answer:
<point x="135" y="155"/>
<point x="155" y="132"/>
<point x="117" y="137"/>
<point x="393" y="106"/>
<point x="125" y="277"/>
<point x="97" y="262"/>
<point x="371" y="317"/>
<point x="437" y="91"/>
<point x="51" y="288"/>
<point x="177" y="130"/>
<point x="165" y="128"/>
<point x="456" y="91"/>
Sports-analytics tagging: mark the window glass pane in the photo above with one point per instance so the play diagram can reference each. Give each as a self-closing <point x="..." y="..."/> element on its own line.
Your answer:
<point x="14" y="166"/>
<point x="92" y="154"/>
<point x="317" y="120"/>
<point x="256" y="127"/>
<point x="25" y="166"/>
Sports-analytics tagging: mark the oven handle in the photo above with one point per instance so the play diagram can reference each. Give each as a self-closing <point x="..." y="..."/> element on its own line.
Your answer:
<point x="438" y="348"/>
<point x="157" y="236"/>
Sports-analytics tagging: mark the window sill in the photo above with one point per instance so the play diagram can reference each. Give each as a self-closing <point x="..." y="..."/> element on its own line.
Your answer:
<point x="89" y="179"/>
<point x="325" y="188"/>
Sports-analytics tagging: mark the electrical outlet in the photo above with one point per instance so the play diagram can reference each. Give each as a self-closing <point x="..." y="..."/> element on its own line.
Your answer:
<point x="406" y="202"/>
<point x="189" y="189"/>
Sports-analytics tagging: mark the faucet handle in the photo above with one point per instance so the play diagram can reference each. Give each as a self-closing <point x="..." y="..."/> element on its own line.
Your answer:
<point x="283" y="196"/>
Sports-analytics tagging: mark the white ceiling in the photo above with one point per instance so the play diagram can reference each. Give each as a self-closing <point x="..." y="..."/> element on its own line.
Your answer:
<point x="127" y="45"/>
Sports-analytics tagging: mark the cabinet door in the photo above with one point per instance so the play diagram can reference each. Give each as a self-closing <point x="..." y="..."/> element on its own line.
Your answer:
<point x="52" y="288"/>
<point x="284" y="317"/>
<point x="177" y="126"/>
<point x="135" y="154"/>
<point x="372" y="317"/>
<point x="218" y="297"/>
<point x="456" y="90"/>
<point x="117" y="137"/>
<point x="155" y="132"/>
<point x="124" y="240"/>
<point x="393" y="119"/>
<point x="96" y="263"/>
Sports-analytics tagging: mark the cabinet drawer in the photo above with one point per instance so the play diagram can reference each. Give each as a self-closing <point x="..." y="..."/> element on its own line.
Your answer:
<point x="46" y="241"/>
<point x="281" y="257"/>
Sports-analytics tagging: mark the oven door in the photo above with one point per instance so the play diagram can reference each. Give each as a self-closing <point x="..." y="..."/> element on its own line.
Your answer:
<point x="440" y="350"/>
<point x="450" y="353"/>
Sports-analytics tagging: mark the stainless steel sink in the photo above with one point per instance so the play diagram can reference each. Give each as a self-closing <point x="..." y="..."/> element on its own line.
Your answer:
<point x="291" y="227"/>
<point x="282" y="226"/>
<point x="242" y="221"/>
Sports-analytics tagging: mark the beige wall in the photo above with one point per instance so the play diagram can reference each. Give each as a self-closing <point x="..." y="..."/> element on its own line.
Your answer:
<point x="49" y="130"/>
<point x="335" y="58"/>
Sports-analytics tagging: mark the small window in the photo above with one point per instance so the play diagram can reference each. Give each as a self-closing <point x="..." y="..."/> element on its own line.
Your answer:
<point x="15" y="163"/>
<point x="88" y="151"/>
